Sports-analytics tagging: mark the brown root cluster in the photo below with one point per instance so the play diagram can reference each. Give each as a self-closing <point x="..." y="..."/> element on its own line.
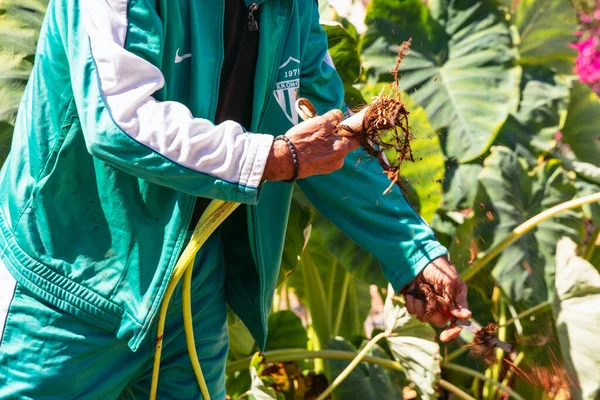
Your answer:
<point x="385" y="127"/>
<point x="484" y="343"/>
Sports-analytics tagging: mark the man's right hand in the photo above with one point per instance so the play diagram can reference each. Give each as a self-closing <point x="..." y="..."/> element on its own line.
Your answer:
<point x="319" y="150"/>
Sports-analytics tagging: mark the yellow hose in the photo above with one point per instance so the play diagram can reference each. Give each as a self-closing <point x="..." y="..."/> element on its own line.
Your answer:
<point x="216" y="212"/>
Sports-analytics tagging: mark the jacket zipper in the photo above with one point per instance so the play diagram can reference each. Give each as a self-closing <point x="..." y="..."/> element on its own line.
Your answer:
<point x="252" y="23"/>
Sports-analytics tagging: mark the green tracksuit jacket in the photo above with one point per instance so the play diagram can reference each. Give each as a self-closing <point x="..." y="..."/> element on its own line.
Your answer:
<point x="114" y="141"/>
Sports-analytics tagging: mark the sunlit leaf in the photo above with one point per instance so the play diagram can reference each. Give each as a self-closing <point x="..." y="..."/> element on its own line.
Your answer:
<point x="285" y="331"/>
<point x="460" y="69"/>
<point x="577" y="318"/>
<point x="241" y="342"/>
<point x="581" y="127"/>
<point x="413" y="346"/>
<point x="547" y="28"/>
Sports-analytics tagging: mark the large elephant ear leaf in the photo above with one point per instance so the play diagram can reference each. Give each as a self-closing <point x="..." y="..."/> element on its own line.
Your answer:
<point x="525" y="269"/>
<point x="461" y="67"/>
<point x="412" y="344"/>
<point x="581" y="129"/>
<point x="577" y="318"/>
<point x="542" y="111"/>
<point x="547" y="28"/>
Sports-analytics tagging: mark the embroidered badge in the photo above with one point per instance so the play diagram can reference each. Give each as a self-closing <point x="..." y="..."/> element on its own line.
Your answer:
<point x="287" y="87"/>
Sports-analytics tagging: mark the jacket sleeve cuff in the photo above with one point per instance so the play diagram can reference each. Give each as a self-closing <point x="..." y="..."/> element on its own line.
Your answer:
<point x="253" y="168"/>
<point x="400" y="276"/>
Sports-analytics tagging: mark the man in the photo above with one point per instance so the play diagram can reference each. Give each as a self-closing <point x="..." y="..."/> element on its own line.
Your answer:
<point x="125" y="132"/>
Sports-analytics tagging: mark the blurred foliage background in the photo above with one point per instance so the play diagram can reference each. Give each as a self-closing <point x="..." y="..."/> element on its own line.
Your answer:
<point x="505" y="113"/>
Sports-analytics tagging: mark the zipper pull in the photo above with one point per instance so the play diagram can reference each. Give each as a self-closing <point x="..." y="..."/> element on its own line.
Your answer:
<point x="252" y="23"/>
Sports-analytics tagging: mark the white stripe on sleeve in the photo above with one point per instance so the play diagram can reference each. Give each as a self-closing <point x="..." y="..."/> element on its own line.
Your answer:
<point x="128" y="83"/>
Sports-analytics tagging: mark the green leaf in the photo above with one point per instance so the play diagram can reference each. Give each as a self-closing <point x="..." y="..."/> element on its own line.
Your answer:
<point x="542" y="111"/>
<point x="525" y="269"/>
<point x="413" y="346"/>
<point x="591" y="211"/>
<point x="296" y="237"/>
<point x="460" y="67"/>
<point x="258" y="390"/>
<point x="241" y="342"/>
<point x="343" y="49"/>
<point x="581" y="130"/>
<point x="366" y="381"/>
<point x="6" y="131"/>
<point x="20" y="22"/>
<point x="547" y="28"/>
<point x="577" y="318"/>
<point x="587" y="171"/>
<point x="285" y="332"/>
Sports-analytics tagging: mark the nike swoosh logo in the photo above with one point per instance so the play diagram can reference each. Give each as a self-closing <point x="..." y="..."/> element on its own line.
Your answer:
<point x="179" y="58"/>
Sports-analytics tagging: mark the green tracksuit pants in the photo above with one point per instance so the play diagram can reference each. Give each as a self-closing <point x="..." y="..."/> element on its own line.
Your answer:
<point x="48" y="354"/>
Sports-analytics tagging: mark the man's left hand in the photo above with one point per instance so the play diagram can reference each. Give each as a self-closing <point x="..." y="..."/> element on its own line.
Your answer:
<point x="450" y="291"/>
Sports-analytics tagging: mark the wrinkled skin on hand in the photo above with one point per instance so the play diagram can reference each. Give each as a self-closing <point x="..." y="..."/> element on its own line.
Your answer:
<point x="448" y="300"/>
<point x="319" y="150"/>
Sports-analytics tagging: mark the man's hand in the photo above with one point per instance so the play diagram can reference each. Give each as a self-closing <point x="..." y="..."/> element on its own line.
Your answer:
<point x="319" y="151"/>
<point x="449" y="299"/>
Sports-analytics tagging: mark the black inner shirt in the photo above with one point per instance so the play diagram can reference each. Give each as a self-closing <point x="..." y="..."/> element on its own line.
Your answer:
<point x="236" y="89"/>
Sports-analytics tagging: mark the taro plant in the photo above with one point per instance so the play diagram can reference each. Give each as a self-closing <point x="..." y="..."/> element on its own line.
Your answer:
<point x="505" y="140"/>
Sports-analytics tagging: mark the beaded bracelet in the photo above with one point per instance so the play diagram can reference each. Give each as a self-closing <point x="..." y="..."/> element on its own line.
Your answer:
<point x="294" y="157"/>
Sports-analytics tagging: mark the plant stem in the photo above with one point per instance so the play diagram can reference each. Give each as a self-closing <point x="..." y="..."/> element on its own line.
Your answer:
<point x="456" y="353"/>
<point x="526" y="227"/>
<point x="342" y="305"/>
<point x="589" y="251"/>
<point x="341" y="377"/>
<point x="479" y="375"/>
<point x="502" y="336"/>
<point x="288" y="355"/>
<point x="331" y="290"/>
<point x="533" y="310"/>
<point x="509" y="374"/>
<point x="459" y="393"/>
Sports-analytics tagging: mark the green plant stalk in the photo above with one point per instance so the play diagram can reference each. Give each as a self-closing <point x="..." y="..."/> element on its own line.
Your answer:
<point x="342" y="305"/>
<point x="520" y="357"/>
<point x="589" y="251"/>
<point x="499" y="352"/>
<point x="353" y="364"/>
<point x="479" y="375"/>
<point x="357" y="321"/>
<point x="459" y="393"/>
<point x="289" y="355"/>
<point x="287" y="297"/>
<point x="317" y="300"/>
<point x="276" y="300"/>
<point x="530" y="311"/>
<point x="525" y="227"/>
<point x="486" y="386"/>
<point x="331" y="290"/>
